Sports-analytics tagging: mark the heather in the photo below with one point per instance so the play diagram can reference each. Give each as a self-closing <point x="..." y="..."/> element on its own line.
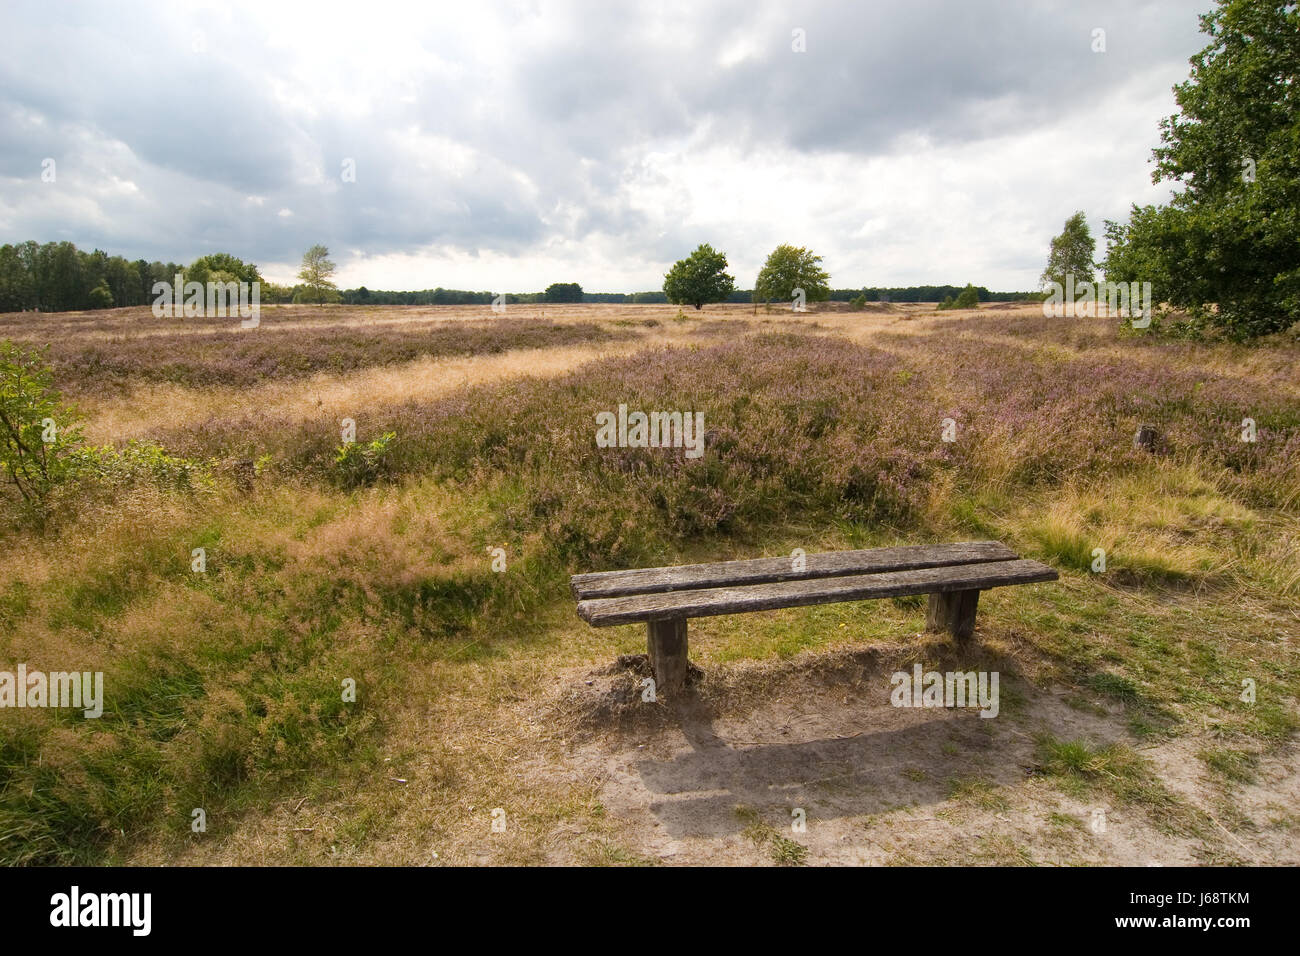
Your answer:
<point x="228" y="356"/>
<point x="807" y="427"/>
<point x="796" y="426"/>
<point x="1036" y="414"/>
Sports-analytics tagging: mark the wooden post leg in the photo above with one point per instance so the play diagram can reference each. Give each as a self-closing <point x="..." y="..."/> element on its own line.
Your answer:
<point x="666" y="642"/>
<point x="954" y="612"/>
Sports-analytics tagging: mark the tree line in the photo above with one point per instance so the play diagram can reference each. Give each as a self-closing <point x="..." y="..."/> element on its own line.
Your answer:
<point x="59" y="277"/>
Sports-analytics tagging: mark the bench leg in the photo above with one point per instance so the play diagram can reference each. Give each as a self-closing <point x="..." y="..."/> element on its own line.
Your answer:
<point x="666" y="642"/>
<point x="954" y="612"/>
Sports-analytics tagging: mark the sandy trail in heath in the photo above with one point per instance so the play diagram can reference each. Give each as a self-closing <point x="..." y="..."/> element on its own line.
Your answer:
<point x="120" y="418"/>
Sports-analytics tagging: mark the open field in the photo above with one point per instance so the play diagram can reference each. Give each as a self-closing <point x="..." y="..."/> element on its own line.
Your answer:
<point x="1122" y="691"/>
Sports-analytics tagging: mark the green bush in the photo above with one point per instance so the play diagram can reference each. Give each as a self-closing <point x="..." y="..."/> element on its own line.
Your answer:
<point x="38" y="434"/>
<point x="359" y="464"/>
<point x="138" y="461"/>
<point x="967" y="299"/>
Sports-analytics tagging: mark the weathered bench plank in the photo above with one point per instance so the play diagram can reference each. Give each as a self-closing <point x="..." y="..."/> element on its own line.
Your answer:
<point x="609" y="584"/>
<point x="710" y="602"/>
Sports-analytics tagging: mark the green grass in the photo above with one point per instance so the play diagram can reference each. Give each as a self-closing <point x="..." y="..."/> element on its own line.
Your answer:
<point x="782" y="850"/>
<point x="1085" y="771"/>
<point x="1231" y="766"/>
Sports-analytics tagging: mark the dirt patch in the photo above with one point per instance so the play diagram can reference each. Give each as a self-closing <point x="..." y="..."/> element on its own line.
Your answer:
<point x="725" y="774"/>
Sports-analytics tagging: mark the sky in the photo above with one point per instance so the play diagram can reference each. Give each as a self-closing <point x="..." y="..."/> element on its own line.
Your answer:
<point x="506" y="146"/>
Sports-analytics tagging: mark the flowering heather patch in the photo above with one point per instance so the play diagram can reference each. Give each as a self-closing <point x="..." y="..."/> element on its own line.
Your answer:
<point x="245" y="358"/>
<point x="721" y="327"/>
<point x="1031" y="413"/>
<point x="807" y="427"/>
<point x="1271" y="362"/>
<point x="797" y="427"/>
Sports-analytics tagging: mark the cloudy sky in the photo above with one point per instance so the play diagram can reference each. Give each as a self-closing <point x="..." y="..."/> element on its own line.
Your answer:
<point x="507" y="146"/>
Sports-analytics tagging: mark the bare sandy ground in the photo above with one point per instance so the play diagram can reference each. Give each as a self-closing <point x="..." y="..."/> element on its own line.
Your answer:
<point x="882" y="785"/>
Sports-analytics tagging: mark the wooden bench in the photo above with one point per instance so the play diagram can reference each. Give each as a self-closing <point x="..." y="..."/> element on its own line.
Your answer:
<point x="666" y="598"/>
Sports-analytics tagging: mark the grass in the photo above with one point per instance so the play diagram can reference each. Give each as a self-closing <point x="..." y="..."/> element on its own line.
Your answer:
<point x="1231" y="766"/>
<point x="978" y="793"/>
<point x="224" y="688"/>
<point x="781" y="850"/>
<point x="1085" y="771"/>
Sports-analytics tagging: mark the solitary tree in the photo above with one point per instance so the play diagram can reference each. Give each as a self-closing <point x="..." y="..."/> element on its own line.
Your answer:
<point x="699" y="278"/>
<point x="315" y="273"/>
<point x="789" y="268"/>
<point x="1071" y="253"/>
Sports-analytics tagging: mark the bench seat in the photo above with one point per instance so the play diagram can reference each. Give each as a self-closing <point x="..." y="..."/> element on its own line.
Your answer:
<point x="666" y="598"/>
<point x="603" y="584"/>
<point x="709" y="602"/>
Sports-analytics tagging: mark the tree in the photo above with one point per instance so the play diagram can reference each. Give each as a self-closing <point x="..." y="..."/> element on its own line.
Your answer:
<point x="315" y="274"/>
<point x="1225" y="247"/>
<point x="1071" y="253"/>
<point x="59" y="279"/>
<point x="101" y="296"/>
<point x="123" y="281"/>
<point x="968" y="298"/>
<point x="16" y="290"/>
<point x="699" y="278"/>
<point x="563" y="292"/>
<point x="229" y="268"/>
<point x="789" y="268"/>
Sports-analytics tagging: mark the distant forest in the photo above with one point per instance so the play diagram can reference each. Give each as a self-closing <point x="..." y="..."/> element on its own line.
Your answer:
<point x="918" y="293"/>
<point x="59" y="277"/>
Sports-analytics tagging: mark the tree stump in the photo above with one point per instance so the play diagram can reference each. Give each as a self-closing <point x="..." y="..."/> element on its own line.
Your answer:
<point x="1145" y="438"/>
<point x="244" y="472"/>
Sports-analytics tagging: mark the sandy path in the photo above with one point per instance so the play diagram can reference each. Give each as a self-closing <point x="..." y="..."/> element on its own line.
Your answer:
<point x="143" y="409"/>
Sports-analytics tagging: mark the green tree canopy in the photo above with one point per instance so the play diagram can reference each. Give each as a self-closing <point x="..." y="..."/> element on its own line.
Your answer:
<point x="1071" y="253"/>
<point x="563" y="292"/>
<point x="101" y="296"/>
<point x="222" y="266"/>
<point x="699" y="278"/>
<point x="789" y="268"/>
<point x="315" y="275"/>
<point x="1225" y="248"/>
<point x="37" y="431"/>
